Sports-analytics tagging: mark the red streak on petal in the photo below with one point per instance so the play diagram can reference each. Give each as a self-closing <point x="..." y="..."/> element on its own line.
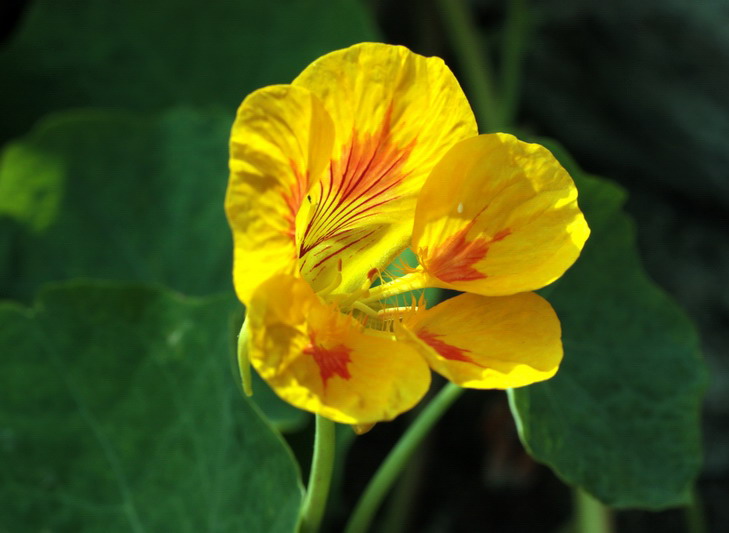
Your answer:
<point x="500" y="235"/>
<point x="331" y="361"/>
<point x="456" y="256"/>
<point x="448" y="351"/>
<point x="349" y="244"/>
<point x="359" y="184"/>
<point x="454" y="259"/>
<point x="295" y="196"/>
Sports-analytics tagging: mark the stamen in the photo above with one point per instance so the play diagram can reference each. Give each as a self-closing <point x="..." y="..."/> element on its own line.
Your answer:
<point x="334" y="283"/>
<point x="372" y="275"/>
<point x="409" y="282"/>
<point x="346" y="301"/>
<point x="396" y="310"/>
<point x="359" y="306"/>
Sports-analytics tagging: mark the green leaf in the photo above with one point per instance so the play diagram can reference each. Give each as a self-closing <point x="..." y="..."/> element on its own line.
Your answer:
<point x="150" y="55"/>
<point x="119" y="413"/>
<point x="621" y="417"/>
<point x="120" y="196"/>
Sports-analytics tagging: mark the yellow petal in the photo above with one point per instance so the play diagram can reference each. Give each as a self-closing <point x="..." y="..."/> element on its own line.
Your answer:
<point x="489" y="342"/>
<point x="323" y="361"/>
<point x="498" y="216"/>
<point x="395" y="114"/>
<point x="279" y="147"/>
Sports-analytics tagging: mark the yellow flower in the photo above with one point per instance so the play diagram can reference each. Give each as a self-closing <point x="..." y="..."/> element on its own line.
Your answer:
<point x="369" y="150"/>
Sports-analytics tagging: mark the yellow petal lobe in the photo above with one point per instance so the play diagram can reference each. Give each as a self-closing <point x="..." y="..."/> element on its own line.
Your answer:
<point x="395" y="114"/>
<point x="488" y="342"/>
<point x="279" y="147"/>
<point x="326" y="362"/>
<point x="498" y="216"/>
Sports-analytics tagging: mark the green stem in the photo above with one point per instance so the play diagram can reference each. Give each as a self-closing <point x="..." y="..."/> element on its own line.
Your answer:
<point x="516" y="31"/>
<point x="473" y="59"/>
<point x="244" y="365"/>
<point x="322" y="466"/>
<point x="399" y="505"/>
<point x="385" y="476"/>
<point x="695" y="519"/>
<point x="590" y="515"/>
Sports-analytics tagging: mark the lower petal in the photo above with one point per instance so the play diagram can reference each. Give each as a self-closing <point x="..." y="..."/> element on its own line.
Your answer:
<point x="488" y="342"/>
<point x="326" y="362"/>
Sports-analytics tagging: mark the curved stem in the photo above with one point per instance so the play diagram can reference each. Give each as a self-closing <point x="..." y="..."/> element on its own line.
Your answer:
<point x="385" y="476"/>
<point x="695" y="519"/>
<point x="473" y="59"/>
<point x="591" y="516"/>
<point x="322" y="465"/>
<point x="397" y="516"/>
<point x="512" y="56"/>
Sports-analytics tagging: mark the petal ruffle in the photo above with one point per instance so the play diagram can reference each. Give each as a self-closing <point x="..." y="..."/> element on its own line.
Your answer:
<point x="279" y="147"/>
<point x="395" y="113"/>
<point x="498" y="216"/>
<point x="488" y="342"/>
<point x="323" y="361"/>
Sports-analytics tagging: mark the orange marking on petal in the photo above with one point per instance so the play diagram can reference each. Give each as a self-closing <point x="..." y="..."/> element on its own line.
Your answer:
<point x="364" y="178"/>
<point x="331" y="361"/>
<point x="295" y="196"/>
<point x="500" y="235"/>
<point x="448" y="351"/>
<point x="456" y="256"/>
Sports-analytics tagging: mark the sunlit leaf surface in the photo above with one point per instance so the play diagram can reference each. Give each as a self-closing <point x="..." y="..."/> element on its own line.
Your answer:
<point x="121" y="196"/>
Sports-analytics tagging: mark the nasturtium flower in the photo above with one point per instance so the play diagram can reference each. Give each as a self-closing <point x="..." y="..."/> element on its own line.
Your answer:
<point x="372" y="149"/>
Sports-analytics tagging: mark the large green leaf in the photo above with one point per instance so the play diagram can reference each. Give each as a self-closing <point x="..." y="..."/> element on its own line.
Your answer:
<point x="150" y="55"/>
<point x="118" y="412"/>
<point x="621" y="418"/>
<point x="119" y="196"/>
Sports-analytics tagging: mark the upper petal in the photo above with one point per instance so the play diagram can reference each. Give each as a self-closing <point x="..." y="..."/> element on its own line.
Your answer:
<point x="279" y="147"/>
<point x="395" y="114"/>
<point x="323" y="361"/>
<point x="489" y="342"/>
<point x="498" y="216"/>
